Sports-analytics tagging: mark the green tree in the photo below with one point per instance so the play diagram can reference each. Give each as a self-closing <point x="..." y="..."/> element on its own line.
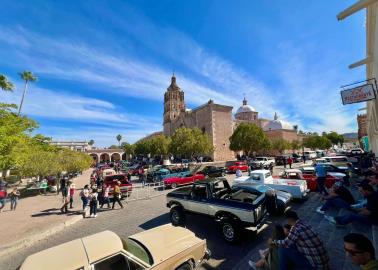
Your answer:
<point x="27" y="76"/>
<point x="280" y="145"/>
<point x="334" y="137"/>
<point x="295" y="145"/>
<point x="119" y="138"/>
<point x="128" y="148"/>
<point x="160" y="145"/>
<point x="249" y="138"/>
<point x="142" y="147"/>
<point x="91" y="142"/>
<point x="5" y="84"/>
<point x="113" y="146"/>
<point x="188" y="142"/>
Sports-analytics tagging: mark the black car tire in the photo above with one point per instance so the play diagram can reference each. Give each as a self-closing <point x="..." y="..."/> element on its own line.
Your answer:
<point x="230" y="231"/>
<point x="173" y="185"/>
<point x="177" y="216"/>
<point x="185" y="266"/>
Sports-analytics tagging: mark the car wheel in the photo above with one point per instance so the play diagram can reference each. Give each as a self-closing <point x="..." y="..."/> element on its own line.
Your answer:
<point x="230" y="231"/>
<point x="185" y="266"/>
<point x="177" y="216"/>
<point x="173" y="185"/>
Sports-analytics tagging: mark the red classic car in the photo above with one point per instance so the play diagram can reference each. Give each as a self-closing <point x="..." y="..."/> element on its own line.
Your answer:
<point x="125" y="186"/>
<point x="308" y="174"/>
<point x="173" y="182"/>
<point x="237" y="165"/>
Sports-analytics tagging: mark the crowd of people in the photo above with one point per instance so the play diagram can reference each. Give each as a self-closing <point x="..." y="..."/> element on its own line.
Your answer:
<point x="296" y="245"/>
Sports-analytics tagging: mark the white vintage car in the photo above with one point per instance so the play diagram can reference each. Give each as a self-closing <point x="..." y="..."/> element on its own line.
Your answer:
<point x="297" y="188"/>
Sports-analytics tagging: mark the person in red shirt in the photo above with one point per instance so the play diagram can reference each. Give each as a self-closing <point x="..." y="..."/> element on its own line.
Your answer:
<point x="3" y="196"/>
<point x="290" y="161"/>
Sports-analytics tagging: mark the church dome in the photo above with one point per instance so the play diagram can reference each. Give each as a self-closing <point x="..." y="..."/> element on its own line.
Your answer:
<point x="277" y="124"/>
<point x="245" y="108"/>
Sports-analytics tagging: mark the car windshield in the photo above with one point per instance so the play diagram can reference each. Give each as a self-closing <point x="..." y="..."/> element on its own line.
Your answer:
<point x="138" y="250"/>
<point x="255" y="176"/>
<point x="259" y="158"/>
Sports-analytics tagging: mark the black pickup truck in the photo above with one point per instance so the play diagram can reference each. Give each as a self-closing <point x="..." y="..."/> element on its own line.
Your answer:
<point x="233" y="208"/>
<point x="213" y="171"/>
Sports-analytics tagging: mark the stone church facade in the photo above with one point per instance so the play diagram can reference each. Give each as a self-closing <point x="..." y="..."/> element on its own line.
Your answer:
<point x="217" y="121"/>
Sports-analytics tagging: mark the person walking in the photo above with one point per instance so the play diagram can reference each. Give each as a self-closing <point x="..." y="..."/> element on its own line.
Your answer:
<point x="284" y="162"/>
<point x="84" y="195"/>
<point x="14" y="195"/>
<point x="71" y="192"/>
<point x="93" y="203"/>
<point x="66" y="198"/>
<point x="3" y="196"/>
<point x="290" y="162"/>
<point x="105" y="195"/>
<point x="117" y="195"/>
<point x="321" y="175"/>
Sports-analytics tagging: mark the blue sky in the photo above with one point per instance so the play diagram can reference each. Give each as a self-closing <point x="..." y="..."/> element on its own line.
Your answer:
<point x="103" y="66"/>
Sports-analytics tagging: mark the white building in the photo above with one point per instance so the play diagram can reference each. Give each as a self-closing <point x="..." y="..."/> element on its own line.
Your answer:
<point x="370" y="60"/>
<point x="79" y="146"/>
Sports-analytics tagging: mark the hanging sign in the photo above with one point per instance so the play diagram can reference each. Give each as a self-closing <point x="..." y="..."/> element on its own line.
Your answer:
<point x="358" y="94"/>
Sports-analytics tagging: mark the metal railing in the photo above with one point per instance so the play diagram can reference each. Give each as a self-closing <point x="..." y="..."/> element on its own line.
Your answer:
<point x="146" y="191"/>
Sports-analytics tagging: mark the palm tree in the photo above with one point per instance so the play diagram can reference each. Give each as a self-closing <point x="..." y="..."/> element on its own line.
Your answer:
<point x="5" y="84"/>
<point x="26" y="76"/>
<point x="119" y="138"/>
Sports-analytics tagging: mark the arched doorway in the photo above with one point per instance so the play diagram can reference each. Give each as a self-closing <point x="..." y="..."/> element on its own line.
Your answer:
<point x="95" y="157"/>
<point x="115" y="157"/>
<point x="124" y="156"/>
<point x="104" y="157"/>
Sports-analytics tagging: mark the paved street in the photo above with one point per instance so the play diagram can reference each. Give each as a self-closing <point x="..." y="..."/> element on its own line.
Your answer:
<point x="145" y="214"/>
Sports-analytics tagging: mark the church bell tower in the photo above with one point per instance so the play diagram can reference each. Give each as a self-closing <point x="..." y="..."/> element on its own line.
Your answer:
<point x="174" y="105"/>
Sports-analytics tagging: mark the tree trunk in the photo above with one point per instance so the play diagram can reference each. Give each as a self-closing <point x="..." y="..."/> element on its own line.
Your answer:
<point x="23" y="96"/>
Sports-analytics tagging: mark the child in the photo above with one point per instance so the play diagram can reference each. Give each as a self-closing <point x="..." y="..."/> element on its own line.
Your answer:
<point x="14" y="198"/>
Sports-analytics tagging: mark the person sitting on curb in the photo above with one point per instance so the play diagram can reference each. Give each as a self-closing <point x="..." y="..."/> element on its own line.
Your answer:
<point x="302" y="248"/>
<point x="269" y="257"/>
<point x="361" y="251"/>
<point x="339" y="197"/>
<point x="366" y="215"/>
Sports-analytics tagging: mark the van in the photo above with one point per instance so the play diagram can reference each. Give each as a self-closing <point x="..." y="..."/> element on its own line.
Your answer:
<point x="320" y="153"/>
<point x="310" y="154"/>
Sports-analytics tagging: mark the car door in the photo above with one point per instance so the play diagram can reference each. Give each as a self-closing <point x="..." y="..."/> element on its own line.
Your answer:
<point x="199" y="199"/>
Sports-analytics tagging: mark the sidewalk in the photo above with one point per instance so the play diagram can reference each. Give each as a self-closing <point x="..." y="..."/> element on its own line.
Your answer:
<point x="38" y="216"/>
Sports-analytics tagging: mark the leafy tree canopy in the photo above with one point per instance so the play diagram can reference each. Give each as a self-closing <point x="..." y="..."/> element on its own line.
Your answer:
<point x="249" y="138"/>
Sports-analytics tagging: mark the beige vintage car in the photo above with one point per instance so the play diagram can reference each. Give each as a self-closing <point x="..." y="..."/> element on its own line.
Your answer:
<point x="162" y="248"/>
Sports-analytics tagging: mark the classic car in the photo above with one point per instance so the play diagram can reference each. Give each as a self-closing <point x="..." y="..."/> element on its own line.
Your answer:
<point x="107" y="172"/>
<point x="308" y="173"/>
<point x="338" y="161"/>
<point x="296" y="158"/>
<point x="279" y="160"/>
<point x="212" y="171"/>
<point x="180" y="180"/>
<point x="125" y="186"/>
<point x="160" y="248"/>
<point x="237" y="165"/>
<point x="296" y="187"/>
<point x="233" y="209"/>
<point x="161" y="174"/>
<point x="262" y="162"/>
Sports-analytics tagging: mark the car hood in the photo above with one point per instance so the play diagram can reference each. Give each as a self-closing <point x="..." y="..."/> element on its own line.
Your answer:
<point x="166" y="241"/>
<point x="241" y="179"/>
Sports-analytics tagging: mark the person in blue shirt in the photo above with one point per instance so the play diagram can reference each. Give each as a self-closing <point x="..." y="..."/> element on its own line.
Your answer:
<point x="321" y="175"/>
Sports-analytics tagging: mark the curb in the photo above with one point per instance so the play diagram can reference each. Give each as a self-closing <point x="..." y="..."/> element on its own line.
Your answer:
<point x="30" y="240"/>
